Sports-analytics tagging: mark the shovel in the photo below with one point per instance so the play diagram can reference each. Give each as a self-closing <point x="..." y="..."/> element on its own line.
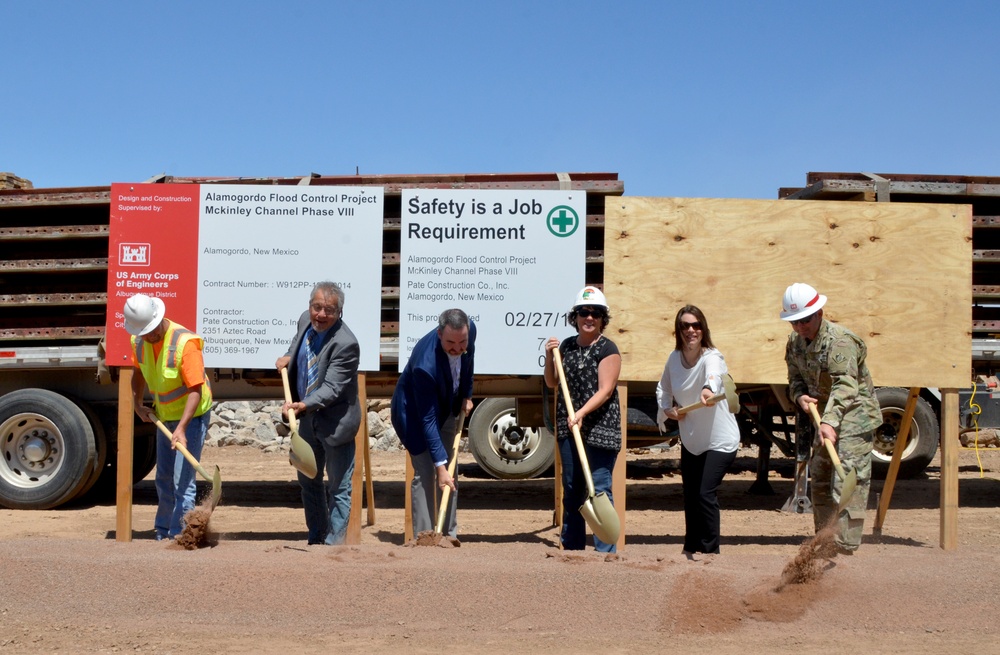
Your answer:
<point x="216" y="478"/>
<point x="597" y="509"/>
<point x="728" y="392"/>
<point x="300" y="454"/>
<point x="850" y="481"/>
<point x="799" y="502"/>
<point x="439" y="528"/>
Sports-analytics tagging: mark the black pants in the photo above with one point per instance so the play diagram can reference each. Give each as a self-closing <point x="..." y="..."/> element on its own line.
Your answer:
<point x="701" y="476"/>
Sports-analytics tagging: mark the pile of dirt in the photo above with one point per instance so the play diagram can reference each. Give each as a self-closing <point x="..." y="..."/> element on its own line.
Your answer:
<point x="432" y="538"/>
<point x="197" y="532"/>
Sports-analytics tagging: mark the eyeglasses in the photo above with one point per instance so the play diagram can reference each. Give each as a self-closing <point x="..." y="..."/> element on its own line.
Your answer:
<point x="587" y="312"/>
<point x="690" y="326"/>
<point x="328" y="309"/>
<point x="803" y="321"/>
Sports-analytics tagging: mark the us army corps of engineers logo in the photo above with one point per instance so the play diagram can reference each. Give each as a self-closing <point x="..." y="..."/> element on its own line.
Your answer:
<point x="562" y="221"/>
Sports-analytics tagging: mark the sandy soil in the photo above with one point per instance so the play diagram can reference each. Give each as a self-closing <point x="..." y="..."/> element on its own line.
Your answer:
<point x="66" y="585"/>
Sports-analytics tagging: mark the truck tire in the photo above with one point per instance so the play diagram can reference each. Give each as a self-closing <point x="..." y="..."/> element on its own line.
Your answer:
<point x="504" y="449"/>
<point x="922" y="442"/>
<point x="143" y="455"/>
<point x="47" y="449"/>
<point x="100" y="447"/>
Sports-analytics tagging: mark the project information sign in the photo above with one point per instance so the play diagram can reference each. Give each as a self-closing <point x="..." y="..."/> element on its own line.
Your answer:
<point x="513" y="260"/>
<point x="236" y="263"/>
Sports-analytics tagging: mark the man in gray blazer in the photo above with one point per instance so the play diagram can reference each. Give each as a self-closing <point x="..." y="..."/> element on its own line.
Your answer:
<point x="322" y="366"/>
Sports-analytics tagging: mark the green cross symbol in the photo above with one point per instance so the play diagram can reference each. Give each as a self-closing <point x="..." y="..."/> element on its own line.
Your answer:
<point x="562" y="221"/>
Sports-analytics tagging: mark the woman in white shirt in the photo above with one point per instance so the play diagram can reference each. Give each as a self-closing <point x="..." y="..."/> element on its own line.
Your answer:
<point x="709" y="436"/>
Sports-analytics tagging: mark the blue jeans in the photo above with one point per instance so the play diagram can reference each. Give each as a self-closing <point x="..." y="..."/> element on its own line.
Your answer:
<point x="574" y="530"/>
<point x="175" y="478"/>
<point x="328" y="505"/>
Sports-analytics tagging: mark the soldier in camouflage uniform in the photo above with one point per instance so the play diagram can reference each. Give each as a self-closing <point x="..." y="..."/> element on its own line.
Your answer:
<point x="826" y="366"/>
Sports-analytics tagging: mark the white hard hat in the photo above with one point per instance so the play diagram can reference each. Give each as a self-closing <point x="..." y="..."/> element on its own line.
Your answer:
<point x="801" y="300"/>
<point x="142" y="314"/>
<point x="590" y="296"/>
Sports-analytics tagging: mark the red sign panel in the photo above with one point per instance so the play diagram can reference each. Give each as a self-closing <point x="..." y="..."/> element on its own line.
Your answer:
<point x="153" y="249"/>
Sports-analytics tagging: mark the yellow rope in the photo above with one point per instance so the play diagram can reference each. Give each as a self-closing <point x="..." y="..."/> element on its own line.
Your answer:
<point x="975" y="410"/>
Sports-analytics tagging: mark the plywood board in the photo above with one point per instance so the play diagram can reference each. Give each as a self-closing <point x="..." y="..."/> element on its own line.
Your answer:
<point x="897" y="274"/>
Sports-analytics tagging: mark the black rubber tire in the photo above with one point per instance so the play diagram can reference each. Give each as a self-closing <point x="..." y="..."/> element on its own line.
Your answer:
<point x="922" y="443"/>
<point x="504" y="449"/>
<point x="143" y="454"/>
<point x="100" y="447"/>
<point x="28" y="414"/>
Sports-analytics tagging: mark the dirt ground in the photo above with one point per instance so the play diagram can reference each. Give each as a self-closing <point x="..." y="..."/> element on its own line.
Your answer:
<point x="66" y="584"/>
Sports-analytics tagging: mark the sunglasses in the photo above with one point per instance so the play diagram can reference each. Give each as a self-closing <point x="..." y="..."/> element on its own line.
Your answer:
<point x="690" y="326"/>
<point x="587" y="312"/>
<point x="803" y="321"/>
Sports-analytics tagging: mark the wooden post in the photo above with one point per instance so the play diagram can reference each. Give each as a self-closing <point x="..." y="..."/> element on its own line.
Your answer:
<point x="618" y="475"/>
<point x="353" y="536"/>
<point x="408" y="501"/>
<point x="897" y="457"/>
<point x="949" y="469"/>
<point x="367" y="459"/>
<point x="126" y="422"/>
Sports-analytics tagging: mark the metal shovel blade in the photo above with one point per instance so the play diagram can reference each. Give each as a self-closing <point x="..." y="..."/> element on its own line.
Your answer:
<point x="300" y="453"/>
<point x="301" y="456"/>
<point x="216" y="486"/>
<point x="850" y="482"/>
<point x="732" y="398"/>
<point x="799" y="502"/>
<point x="602" y="518"/>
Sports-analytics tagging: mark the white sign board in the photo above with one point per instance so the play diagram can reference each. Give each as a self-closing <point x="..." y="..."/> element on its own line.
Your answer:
<point x="261" y="250"/>
<point x="513" y="260"/>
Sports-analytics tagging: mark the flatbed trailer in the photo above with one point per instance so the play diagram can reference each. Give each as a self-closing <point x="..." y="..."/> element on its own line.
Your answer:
<point x="58" y="399"/>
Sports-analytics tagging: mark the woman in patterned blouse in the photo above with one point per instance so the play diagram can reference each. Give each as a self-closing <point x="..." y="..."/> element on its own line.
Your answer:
<point x="592" y="364"/>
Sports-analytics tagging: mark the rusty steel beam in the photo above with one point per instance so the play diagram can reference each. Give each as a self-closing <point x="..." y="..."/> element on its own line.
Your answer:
<point x="31" y="299"/>
<point x="45" y="197"/>
<point x="31" y="334"/>
<point x="54" y="232"/>
<point x="53" y="265"/>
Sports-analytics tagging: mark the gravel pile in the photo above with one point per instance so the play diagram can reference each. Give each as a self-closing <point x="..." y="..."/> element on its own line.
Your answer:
<point x="259" y="423"/>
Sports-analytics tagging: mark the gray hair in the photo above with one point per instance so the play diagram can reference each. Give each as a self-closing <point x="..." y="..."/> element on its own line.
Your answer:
<point x="328" y="288"/>
<point x="454" y="318"/>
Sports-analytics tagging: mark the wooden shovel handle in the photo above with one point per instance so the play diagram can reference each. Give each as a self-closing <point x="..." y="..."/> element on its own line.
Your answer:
<point x="577" y="438"/>
<point x="292" y="421"/>
<point x="693" y="406"/>
<point x="184" y="451"/>
<point x="452" y="465"/>
<point x="830" y="450"/>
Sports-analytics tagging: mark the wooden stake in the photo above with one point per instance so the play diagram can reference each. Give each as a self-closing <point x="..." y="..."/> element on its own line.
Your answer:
<point x="618" y="473"/>
<point x="126" y="422"/>
<point x="408" y="501"/>
<point x="897" y="457"/>
<point x="949" y="469"/>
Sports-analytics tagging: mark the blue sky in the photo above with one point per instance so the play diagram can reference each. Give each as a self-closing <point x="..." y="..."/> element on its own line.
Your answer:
<point x="698" y="99"/>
